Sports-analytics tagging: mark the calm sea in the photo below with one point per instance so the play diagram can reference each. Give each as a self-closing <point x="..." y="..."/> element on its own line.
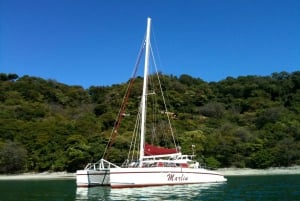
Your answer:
<point x="237" y="188"/>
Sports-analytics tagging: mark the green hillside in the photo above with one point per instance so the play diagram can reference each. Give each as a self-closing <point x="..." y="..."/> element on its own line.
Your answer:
<point x="248" y="121"/>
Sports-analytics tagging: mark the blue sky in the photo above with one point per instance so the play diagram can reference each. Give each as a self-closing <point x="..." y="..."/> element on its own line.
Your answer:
<point x="96" y="42"/>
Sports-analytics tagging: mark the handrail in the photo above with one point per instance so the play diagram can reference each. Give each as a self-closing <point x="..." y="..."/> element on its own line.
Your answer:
<point x="102" y="164"/>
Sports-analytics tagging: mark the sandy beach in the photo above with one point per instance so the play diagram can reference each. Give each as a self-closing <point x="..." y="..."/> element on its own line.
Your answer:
<point x="224" y="171"/>
<point x="268" y="171"/>
<point x="38" y="176"/>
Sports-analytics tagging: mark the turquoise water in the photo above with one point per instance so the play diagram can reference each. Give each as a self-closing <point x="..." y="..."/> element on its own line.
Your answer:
<point x="237" y="188"/>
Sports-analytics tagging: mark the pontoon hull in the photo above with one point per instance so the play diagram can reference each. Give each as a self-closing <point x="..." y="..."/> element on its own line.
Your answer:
<point x="142" y="177"/>
<point x="87" y="178"/>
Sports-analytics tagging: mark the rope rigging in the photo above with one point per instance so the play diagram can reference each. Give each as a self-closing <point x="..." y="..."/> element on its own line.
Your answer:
<point x="123" y="105"/>
<point x="121" y="113"/>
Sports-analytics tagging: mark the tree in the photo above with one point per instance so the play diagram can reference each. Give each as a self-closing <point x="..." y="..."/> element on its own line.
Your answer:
<point x="248" y="121"/>
<point x="13" y="157"/>
<point x="77" y="152"/>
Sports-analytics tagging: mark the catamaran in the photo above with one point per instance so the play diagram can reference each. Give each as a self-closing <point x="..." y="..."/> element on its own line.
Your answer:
<point x="147" y="165"/>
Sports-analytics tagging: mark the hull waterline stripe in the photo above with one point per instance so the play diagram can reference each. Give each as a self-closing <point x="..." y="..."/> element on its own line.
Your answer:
<point x="166" y="172"/>
<point x="157" y="184"/>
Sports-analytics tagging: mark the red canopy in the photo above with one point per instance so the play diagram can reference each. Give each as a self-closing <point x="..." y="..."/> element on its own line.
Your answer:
<point x="150" y="150"/>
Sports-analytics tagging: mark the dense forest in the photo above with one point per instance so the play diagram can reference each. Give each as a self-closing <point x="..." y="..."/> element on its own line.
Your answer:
<point x="248" y="121"/>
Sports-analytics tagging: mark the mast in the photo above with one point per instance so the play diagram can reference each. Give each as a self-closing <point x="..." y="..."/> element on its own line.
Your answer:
<point x="144" y="95"/>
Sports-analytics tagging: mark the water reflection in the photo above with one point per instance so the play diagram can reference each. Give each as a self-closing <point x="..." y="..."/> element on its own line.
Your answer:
<point x="93" y="193"/>
<point x="180" y="192"/>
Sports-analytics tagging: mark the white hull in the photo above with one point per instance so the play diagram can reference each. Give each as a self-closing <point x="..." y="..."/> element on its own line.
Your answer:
<point x="87" y="178"/>
<point x="141" y="177"/>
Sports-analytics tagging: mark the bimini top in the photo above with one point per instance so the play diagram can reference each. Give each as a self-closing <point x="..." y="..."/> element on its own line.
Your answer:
<point x="151" y="150"/>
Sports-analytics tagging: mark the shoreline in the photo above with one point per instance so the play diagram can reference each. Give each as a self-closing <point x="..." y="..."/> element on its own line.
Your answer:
<point x="268" y="171"/>
<point x="38" y="176"/>
<point x="224" y="171"/>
